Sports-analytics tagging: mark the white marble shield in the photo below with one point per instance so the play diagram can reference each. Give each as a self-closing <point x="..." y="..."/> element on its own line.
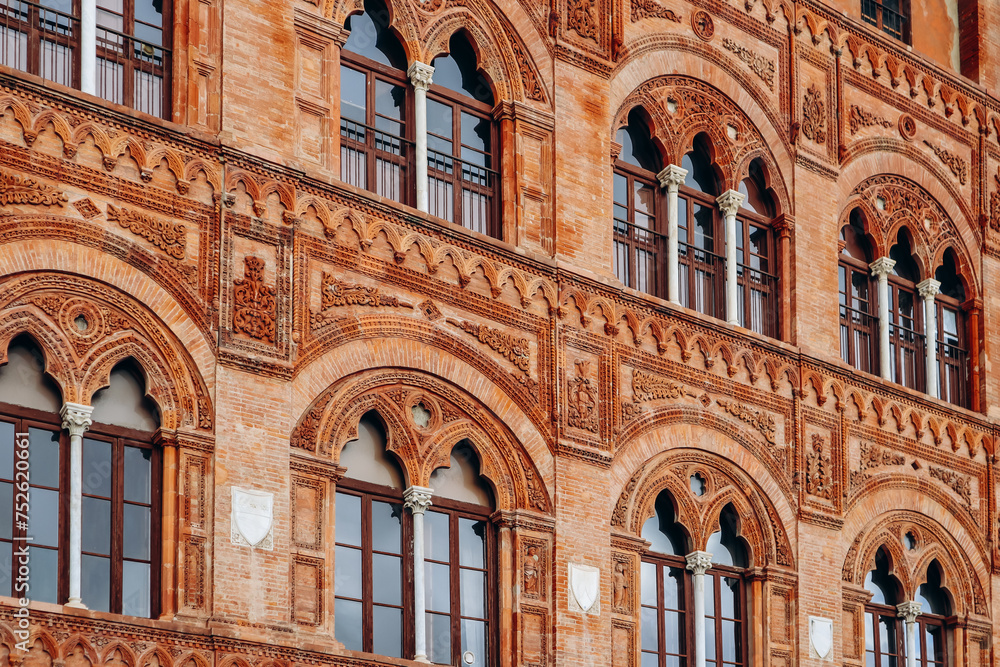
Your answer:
<point x="821" y="635"/>
<point x="253" y="514"/>
<point x="584" y="582"/>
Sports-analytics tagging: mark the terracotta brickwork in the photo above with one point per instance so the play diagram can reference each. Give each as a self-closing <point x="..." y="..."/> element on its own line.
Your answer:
<point x="271" y="306"/>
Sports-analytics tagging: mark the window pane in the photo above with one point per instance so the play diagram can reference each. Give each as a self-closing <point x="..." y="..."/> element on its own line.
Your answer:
<point x="348" y="524"/>
<point x="43" y="517"/>
<point x="43" y="571"/>
<point x="149" y="11"/>
<point x="437" y="587"/>
<point x="472" y="543"/>
<point x="730" y="642"/>
<point x="709" y="595"/>
<point x="347" y="572"/>
<point x="388" y="631"/>
<point x="347" y="623"/>
<point x="730" y="595"/>
<point x="386" y="526"/>
<point x="673" y="588"/>
<point x="97" y="523"/>
<point x="389" y="102"/>
<point x="135" y="589"/>
<point x="387" y="579"/>
<point x="138" y="466"/>
<point x="474" y="641"/>
<point x="352" y="94"/>
<point x="5" y="569"/>
<point x="44" y="457"/>
<point x="6" y="512"/>
<point x="439" y="638"/>
<point x="96" y="468"/>
<point x="95" y="582"/>
<point x="439" y="122"/>
<point x="436" y="537"/>
<point x="649" y="635"/>
<point x="136" y="532"/>
<point x="673" y="632"/>
<point x="7" y="436"/>
<point x="709" y="636"/>
<point x="473" y="593"/>
<point x="648" y="583"/>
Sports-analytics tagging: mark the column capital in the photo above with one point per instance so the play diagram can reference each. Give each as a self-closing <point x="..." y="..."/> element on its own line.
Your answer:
<point x="698" y="561"/>
<point x="929" y="288"/>
<point x="672" y="175"/>
<point x="76" y="418"/>
<point x="882" y="266"/>
<point x="908" y="611"/>
<point x="417" y="498"/>
<point x="420" y="75"/>
<point x="730" y="201"/>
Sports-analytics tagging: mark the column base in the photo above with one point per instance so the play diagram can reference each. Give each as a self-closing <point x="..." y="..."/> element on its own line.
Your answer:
<point x="75" y="603"/>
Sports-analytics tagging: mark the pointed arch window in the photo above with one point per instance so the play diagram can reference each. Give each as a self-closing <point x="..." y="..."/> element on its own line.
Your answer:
<point x="701" y="245"/>
<point x="932" y="624"/>
<point x="906" y="319"/>
<point x="884" y="638"/>
<point x="858" y="298"/>
<point x="665" y="590"/>
<point x="757" y="295"/>
<point x="952" y="347"/>
<point x="725" y="595"/>
<point x="461" y="140"/>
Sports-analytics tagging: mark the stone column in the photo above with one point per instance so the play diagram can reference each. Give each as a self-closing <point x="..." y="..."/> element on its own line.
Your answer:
<point x="928" y="290"/>
<point x="88" y="46"/>
<point x="729" y="203"/>
<point x="420" y="75"/>
<point x="881" y="268"/>
<point x="908" y="611"/>
<point x="75" y="419"/>
<point x="670" y="178"/>
<point x="699" y="562"/>
<point x="418" y="499"/>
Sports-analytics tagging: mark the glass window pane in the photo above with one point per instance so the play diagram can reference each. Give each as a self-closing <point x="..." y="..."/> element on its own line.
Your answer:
<point x="138" y="471"/>
<point x="389" y="102"/>
<point x="439" y="638"/>
<point x="347" y="624"/>
<point x="135" y="588"/>
<point x="136" y="532"/>
<point x="439" y="121"/>
<point x="648" y="584"/>
<point x="44" y="457"/>
<point x="97" y="467"/>
<point x="472" y="543"/>
<point x="347" y="572"/>
<point x="353" y="86"/>
<point x="388" y="634"/>
<point x="436" y="536"/>
<point x="650" y="638"/>
<point x="43" y="572"/>
<point x="437" y="587"/>
<point x="650" y="660"/>
<point x="730" y="595"/>
<point x="97" y="525"/>
<point x="709" y="595"/>
<point x="6" y="439"/>
<point x="5" y="569"/>
<point x="6" y="511"/>
<point x="473" y="593"/>
<point x="730" y="642"/>
<point x="709" y="636"/>
<point x="95" y="582"/>
<point x="474" y="642"/>
<point x="673" y="588"/>
<point x="386" y="526"/>
<point x="673" y="632"/>
<point x="348" y="526"/>
<point x="43" y="517"/>
<point x="387" y="579"/>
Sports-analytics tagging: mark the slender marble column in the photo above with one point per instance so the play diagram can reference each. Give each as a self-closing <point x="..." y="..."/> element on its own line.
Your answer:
<point x="420" y="75"/>
<point x="881" y="268"/>
<point x="670" y="178"/>
<point x="88" y="46"/>
<point x="699" y="562"/>
<point x="729" y="203"/>
<point x="418" y="499"/>
<point x="76" y="419"/>
<point x="908" y="611"/>
<point x="928" y="290"/>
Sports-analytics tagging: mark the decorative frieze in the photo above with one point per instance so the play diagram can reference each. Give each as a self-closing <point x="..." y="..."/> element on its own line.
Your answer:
<point x="512" y="348"/>
<point x="761" y="66"/>
<point x="819" y="480"/>
<point x="960" y="484"/>
<point x="649" y="9"/>
<point x="761" y="421"/>
<point x="336" y="292"/>
<point x="582" y="400"/>
<point x="169" y="237"/>
<point x="859" y="118"/>
<point x="16" y="189"/>
<point x="958" y="166"/>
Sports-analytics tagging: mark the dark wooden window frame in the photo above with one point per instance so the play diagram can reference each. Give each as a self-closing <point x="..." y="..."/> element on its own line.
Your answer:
<point x="662" y="562"/>
<point x="29" y="417"/>
<point x="870" y="365"/>
<point x="126" y="53"/>
<point x="767" y="283"/>
<point x="657" y="244"/>
<point x="720" y="572"/>
<point x="874" y="13"/>
<point x="898" y="333"/>
<point x="31" y="19"/>
<point x="713" y="262"/>
<point x="946" y="625"/>
<point x="958" y="394"/>
<point x="872" y="614"/>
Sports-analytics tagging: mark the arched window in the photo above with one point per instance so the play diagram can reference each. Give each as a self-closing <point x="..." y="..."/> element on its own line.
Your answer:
<point x="932" y="635"/>
<point x="701" y="237"/>
<point x="639" y="239"/>
<point x="375" y="145"/>
<point x="665" y="589"/>
<point x="884" y="637"/>
<point x="725" y="595"/>
<point x="755" y="255"/>
<point x="858" y="292"/>
<point x="461" y="142"/>
<point x="952" y="348"/>
<point x="906" y="317"/>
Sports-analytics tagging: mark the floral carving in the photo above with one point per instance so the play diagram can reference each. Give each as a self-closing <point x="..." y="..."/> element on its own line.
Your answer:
<point x="703" y="25"/>
<point x="15" y="189"/>
<point x="760" y="65"/>
<point x="646" y="387"/>
<point x="513" y="349"/>
<point x="761" y="421"/>
<point x="580" y="18"/>
<point x="814" y="115"/>
<point x="582" y="399"/>
<point x="255" y="306"/>
<point x="960" y="484"/>
<point x="532" y="86"/>
<point x="995" y="206"/>
<point x="819" y="482"/>
<point x="873" y="456"/>
<point x="338" y="293"/>
<point x="958" y="166"/>
<point x="860" y="118"/>
<point x="649" y="9"/>
<point x="167" y="236"/>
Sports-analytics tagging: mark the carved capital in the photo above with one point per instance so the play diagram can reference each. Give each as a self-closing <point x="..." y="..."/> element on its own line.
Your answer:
<point x="698" y="561"/>
<point x="908" y="611"/>
<point x="882" y="266"/>
<point x="929" y="288"/>
<point x="730" y="201"/>
<point x="420" y="75"/>
<point x="417" y="498"/>
<point x="672" y="176"/>
<point x="76" y="418"/>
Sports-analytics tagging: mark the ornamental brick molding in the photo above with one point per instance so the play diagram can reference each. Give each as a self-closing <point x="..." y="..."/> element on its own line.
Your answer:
<point x="255" y="309"/>
<point x="649" y="9"/>
<point x="336" y="292"/>
<point x="960" y="484"/>
<point x="819" y="480"/>
<point x="580" y="18"/>
<point x="16" y="189"/>
<point x="512" y="348"/>
<point x="958" y="166"/>
<point x="169" y="237"/>
<point x="582" y="400"/>
<point x="761" y="66"/>
<point x="814" y="115"/>
<point x="859" y="118"/>
<point x="761" y="421"/>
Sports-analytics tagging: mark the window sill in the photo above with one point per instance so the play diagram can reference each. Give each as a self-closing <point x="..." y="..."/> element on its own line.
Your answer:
<point x="47" y="608"/>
